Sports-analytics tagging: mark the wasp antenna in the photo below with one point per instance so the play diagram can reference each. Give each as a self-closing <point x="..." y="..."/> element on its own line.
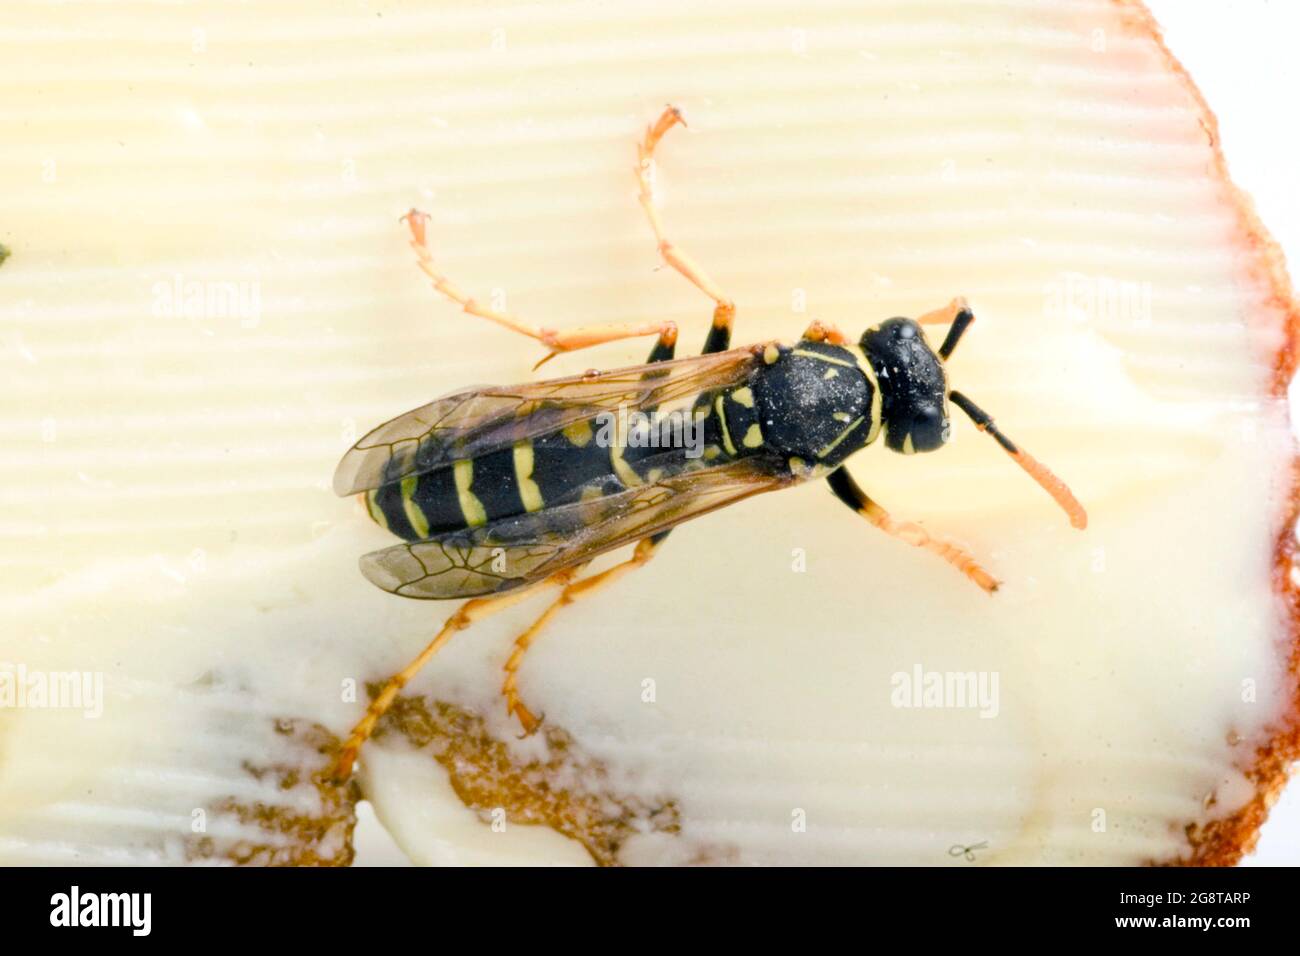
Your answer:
<point x="957" y="314"/>
<point x="960" y="324"/>
<point x="1054" y="486"/>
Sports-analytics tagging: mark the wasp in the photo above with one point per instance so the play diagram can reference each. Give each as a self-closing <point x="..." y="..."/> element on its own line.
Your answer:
<point x="501" y="492"/>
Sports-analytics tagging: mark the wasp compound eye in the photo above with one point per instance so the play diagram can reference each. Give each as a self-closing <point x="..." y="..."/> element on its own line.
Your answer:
<point x="920" y="427"/>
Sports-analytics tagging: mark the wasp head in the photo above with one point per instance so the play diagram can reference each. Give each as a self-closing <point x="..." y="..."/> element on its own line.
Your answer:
<point x="913" y="386"/>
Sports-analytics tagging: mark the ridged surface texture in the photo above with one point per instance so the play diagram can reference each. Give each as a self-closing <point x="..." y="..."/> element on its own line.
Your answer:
<point x="210" y="296"/>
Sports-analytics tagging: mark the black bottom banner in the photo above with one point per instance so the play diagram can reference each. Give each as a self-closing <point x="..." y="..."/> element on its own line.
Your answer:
<point x="216" y="906"/>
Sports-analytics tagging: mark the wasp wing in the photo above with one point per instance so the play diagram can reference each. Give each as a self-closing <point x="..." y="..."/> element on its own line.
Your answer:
<point x="478" y="421"/>
<point x="520" y="550"/>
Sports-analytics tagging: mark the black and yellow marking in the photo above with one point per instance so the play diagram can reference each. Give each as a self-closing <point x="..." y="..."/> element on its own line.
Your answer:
<point x="415" y="516"/>
<point x="617" y="451"/>
<point x="723" y="425"/>
<point x="731" y="426"/>
<point x="811" y="404"/>
<point x="387" y="500"/>
<point x="579" y="434"/>
<point x="488" y="472"/>
<point x="530" y="493"/>
<point x="474" y="492"/>
<point x="799" y="410"/>
<point x="814" y="404"/>
<point x="372" y="508"/>
<point x="875" y="414"/>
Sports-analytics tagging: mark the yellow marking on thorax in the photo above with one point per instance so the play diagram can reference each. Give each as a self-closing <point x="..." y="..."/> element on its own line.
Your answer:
<point x="877" y="415"/>
<point x="726" y="432"/>
<point x="908" y="447"/>
<point x="578" y="433"/>
<point x="804" y="471"/>
<point x="842" y="435"/>
<point x="529" y="493"/>
<point x="743" y="396"/>
<point x="771" y="354"/>
<point x="470" y="507"/>
<point x="807" y="353"/>
<point x="753" y="437"/>
<point x="413" y="513"/>
<point x="371" y="498"/>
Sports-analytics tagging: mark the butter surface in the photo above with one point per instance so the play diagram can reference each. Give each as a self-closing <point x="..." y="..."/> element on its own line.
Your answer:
<point x="209" y="298"/>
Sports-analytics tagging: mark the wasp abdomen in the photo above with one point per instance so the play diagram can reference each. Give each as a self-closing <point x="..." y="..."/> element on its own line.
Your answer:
<point x="530" y="476"/>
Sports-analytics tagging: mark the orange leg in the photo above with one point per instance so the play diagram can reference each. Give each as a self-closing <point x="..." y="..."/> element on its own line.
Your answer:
<point x="470" y="611"/>
<point x="724" y="311"/>
<point x="645" y="550"/>
<point x="567" y="341"/>
<point x="847" y="490"/>
<point x="918" y="537"/>
<point x="820" y="331"/>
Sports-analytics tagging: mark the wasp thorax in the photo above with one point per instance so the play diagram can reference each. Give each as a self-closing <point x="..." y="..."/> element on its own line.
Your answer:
<point x="913" y="386"/>
<point x="814" y="404"/>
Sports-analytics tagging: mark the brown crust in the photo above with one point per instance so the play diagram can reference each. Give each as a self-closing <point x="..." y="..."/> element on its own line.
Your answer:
<point x="490" y="780"/>
<point x="293" y="837"/>
<point x="1225" y="841"/>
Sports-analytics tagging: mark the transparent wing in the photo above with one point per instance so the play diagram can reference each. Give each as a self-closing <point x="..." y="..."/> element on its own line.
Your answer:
<point x="474" y="422"/>
<point x="520" y="550"/>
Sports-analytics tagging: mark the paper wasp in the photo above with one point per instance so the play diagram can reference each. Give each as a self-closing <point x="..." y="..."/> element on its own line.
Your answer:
<point x="499" y="492"/>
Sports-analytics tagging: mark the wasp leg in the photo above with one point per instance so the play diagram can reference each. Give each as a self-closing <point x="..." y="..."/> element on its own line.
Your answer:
<point x="719" y="339"/>
<point x="662" y="352"/>
<point x="557" y="341"/>
<point x="724" y="312"/>
<point x="957" y="314"/>
<point x="946" y="314"/>
<point x="820" y="331"/>
<point x="469" y="612"/>
<point x="645" y="550"/>
<point x="847" y="490"/>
